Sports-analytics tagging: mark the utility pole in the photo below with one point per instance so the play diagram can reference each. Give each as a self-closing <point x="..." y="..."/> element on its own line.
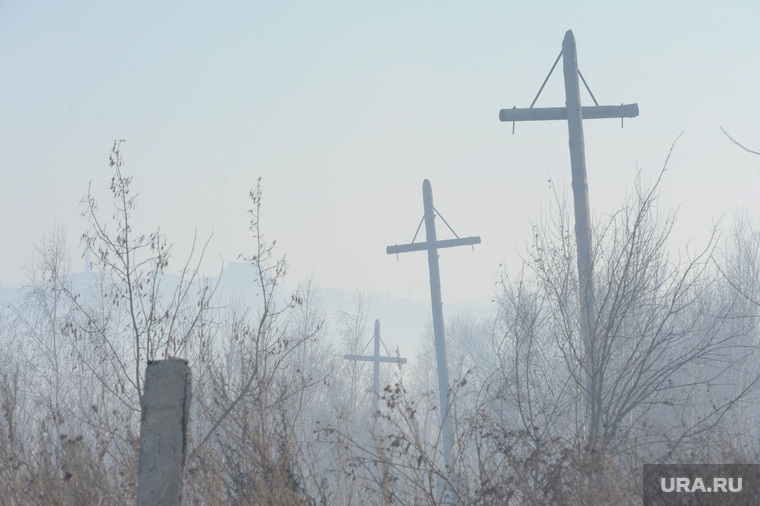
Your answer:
<point x="87" y="258"/>
<point x="431" y="245"/>
<point x="574" y="114"/>
<point x="376" y="358"/>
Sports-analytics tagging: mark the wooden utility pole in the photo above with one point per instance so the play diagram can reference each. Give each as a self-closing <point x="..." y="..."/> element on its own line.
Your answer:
<point x="432" y="244"/>
<point x="376" y="358"/>
<point x="574" y="114"/>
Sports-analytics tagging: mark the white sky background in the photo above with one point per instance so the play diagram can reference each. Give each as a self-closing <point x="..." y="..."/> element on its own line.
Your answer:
<point x="344" y="108"/>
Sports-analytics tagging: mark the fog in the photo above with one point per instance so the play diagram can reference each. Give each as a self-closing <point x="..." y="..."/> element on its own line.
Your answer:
<point x="281" y="177"/>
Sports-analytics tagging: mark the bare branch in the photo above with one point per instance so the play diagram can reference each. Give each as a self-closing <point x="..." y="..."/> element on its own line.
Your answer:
<point x="739" y="143"/>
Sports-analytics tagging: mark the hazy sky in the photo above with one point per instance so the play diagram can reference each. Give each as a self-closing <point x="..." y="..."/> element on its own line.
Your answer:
<point x="343" y="108"/>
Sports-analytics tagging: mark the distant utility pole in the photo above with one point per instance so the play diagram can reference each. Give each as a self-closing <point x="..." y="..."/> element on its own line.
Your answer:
<point x="87" y="257"/>
<point x="574" y="114"/>
<point x="376" y="358"/>
<point x="431" y="245"/>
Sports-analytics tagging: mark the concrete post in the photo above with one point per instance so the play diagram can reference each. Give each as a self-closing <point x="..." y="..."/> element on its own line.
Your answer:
<point x="163" y="441"/>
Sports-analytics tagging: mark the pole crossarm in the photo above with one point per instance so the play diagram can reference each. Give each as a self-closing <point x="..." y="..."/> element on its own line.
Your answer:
<point x="395" y="360"/>
<point x="555" y="113"/>
<point x="420" y="246"/>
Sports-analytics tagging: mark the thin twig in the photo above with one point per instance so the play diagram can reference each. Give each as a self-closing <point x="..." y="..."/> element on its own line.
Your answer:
<point x="739" y="143"/>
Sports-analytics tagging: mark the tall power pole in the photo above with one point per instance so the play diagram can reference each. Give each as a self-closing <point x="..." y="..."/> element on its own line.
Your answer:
<point x="574" y="114"/>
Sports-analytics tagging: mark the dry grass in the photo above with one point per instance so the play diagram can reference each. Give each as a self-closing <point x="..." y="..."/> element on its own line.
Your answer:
<point x="256" y="467"/>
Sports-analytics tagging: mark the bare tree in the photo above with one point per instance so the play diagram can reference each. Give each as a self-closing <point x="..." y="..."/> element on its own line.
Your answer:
<point x="354" y="337"/>
<point x="44" y="308"/>
<point x="265" y="376"/>
<point x="278" y="417"/>
<point x="660" y="331"/>
<point x="143" y="323"/>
